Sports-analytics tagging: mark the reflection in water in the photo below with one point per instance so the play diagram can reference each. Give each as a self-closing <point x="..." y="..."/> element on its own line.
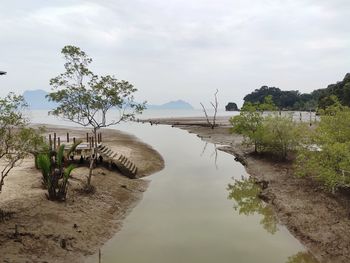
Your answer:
<point x="302" y="257"/>
<point x="215" y="153"/>
<point x="245" y="193"/>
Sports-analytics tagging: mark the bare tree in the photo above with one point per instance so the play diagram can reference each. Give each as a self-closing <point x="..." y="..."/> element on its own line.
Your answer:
<point x="215" y="104"/>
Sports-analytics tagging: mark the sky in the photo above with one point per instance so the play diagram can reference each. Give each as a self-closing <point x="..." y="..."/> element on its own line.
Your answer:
<point x="180" y="49"/>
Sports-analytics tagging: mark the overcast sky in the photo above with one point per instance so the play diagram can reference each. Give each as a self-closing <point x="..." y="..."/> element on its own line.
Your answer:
<point x="180" y="49"/>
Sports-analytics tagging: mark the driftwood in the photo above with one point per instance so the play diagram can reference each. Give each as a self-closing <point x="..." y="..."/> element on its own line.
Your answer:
<point x="215" y="105"/>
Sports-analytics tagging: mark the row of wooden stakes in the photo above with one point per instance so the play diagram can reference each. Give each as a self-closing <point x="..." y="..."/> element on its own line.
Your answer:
<point x="55" y="141"/>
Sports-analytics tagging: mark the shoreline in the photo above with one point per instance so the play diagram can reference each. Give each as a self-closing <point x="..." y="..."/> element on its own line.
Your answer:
<point x="318" y="219"/>
<point x="69" y="231"/>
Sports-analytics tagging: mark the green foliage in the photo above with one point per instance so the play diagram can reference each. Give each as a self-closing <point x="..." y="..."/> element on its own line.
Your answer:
<point x="73" y="148"/>
<point x="280" y="135"/>
<point x="284" y="100"/>
<point x="329" y="160"/>
<point x="44" y="163"/>
<point x="54" y="175"/>
<point x="231" y="106"/>
<point x="293" y="100"/>
<point x="245" y="193"/>
<point x="267" y="104"/>
<point x="269" y="133"/>
<point x="340" y="90"/>
<point x="249" y="124"/>
<point x="60" y="156"/>
<point x="15" y="138"/>
<point x="85" y="98"/>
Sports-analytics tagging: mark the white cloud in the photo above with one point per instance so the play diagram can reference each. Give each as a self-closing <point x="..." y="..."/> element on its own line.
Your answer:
<point x="186" y="47"/>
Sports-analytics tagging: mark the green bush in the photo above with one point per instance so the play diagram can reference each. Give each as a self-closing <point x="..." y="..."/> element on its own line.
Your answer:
<point x="329" y="160"/>
<point x="54" y="175"/>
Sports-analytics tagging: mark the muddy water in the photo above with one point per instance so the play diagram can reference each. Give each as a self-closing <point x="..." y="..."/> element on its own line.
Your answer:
<point x="194" y="211"/>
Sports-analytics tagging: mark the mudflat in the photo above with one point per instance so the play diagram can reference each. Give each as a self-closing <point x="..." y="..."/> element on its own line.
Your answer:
<point x="68" y="231"/>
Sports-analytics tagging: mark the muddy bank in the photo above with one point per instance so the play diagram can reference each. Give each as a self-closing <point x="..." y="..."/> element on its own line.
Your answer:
<point x="68" y="231"/>
<point x="320" y="220"/>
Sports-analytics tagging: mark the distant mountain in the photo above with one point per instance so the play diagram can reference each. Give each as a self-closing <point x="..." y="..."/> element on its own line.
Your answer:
<point x="172" y="105"/>
<point x="37" y="101"/>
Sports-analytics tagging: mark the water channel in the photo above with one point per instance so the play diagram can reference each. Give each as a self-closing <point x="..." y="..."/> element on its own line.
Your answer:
<point x="194" y="212"/>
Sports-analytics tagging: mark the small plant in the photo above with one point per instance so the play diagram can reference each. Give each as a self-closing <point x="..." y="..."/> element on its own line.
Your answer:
<point x="55" y="175"/>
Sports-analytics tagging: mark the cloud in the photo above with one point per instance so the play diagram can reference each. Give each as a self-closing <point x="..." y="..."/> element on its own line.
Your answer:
<point x="186" y="48"/>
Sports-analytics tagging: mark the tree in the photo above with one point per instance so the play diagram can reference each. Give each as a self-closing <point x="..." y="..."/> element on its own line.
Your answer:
<point x="249" y="124"/>
<point x="231" y="106"/>
<point x="271" y="133"/>
<point x="15" y="138"/>
<point x="215" y="105"/>
<point x="85" y="98"/>
<point x="280" y="135"/>
<point x="326" y="155"/>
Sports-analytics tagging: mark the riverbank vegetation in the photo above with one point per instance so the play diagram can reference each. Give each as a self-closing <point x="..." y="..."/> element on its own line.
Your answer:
<point x="271" y="132"/>
<point x="321" y="151"/>
<point x="326" y="154"/>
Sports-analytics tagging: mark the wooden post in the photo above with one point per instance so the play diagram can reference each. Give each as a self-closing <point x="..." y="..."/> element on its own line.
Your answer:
<point x="54" y="141"/>
<point x="300" y="116"/>
<point x="87" y="137"/>
<point x="58" y="142"/>
<point x="50" y="142"/>
<point x="67" y="136"/>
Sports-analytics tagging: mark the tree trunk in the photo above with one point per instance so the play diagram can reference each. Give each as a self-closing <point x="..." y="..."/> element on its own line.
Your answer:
<point x="93" y="156"/>
<point x="91" y="167"/>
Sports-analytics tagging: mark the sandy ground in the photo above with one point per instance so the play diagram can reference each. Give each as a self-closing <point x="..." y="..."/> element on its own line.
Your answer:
<point x="69" y="231"/>
<point x="320" y="220"/>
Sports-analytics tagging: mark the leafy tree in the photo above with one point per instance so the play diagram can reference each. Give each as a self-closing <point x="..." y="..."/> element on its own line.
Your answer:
<point x="267" y="104"/>
<point x="270" y="132"/>
<point x="249" y="124"/>
<point x="85" y="98"/>
<point x="231" y="106"/>
<point x="326" y="155"/>
<point x="280" y="135"/>
<point x="14" y="141"/>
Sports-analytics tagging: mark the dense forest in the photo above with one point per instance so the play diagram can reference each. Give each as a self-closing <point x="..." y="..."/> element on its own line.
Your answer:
<point x="294" y="100"/>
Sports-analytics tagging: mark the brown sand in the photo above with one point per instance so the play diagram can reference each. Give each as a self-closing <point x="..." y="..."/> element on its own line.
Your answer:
<point x="320" y="220"/>
<point x="68" y="231"/>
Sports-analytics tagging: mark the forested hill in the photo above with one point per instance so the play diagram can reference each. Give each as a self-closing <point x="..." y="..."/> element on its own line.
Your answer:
<point x="294" y="100"/>
<point x="341" y="90"/>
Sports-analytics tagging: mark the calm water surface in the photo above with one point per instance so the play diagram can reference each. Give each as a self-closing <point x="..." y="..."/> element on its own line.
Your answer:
<point x="194" y="212"/>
